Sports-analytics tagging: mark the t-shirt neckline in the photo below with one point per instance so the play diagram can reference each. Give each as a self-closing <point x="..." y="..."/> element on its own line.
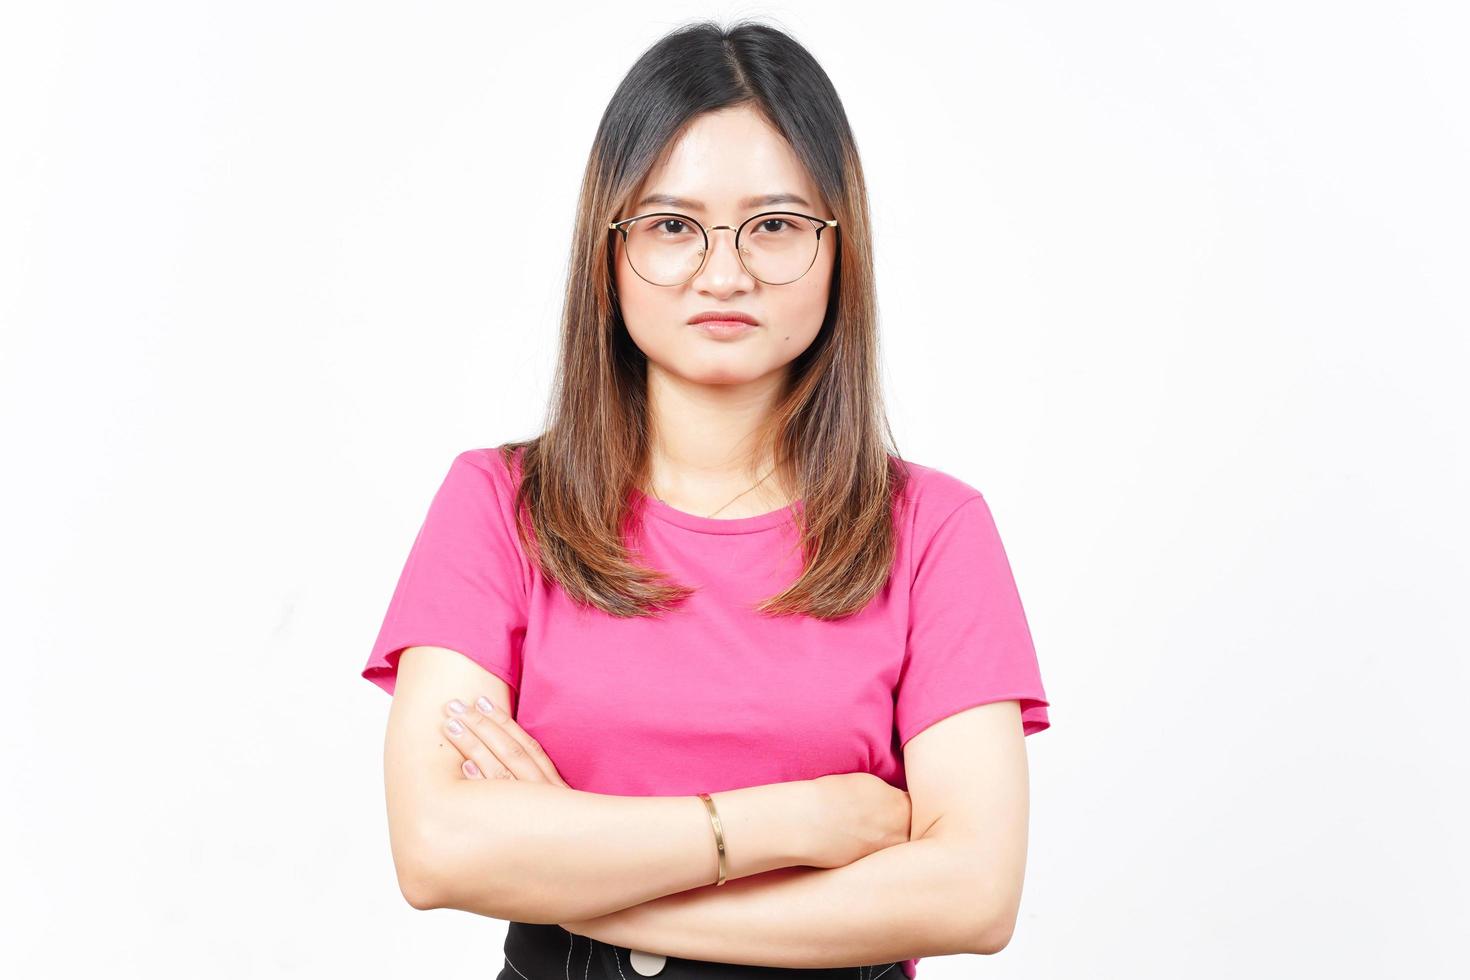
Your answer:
<point x="718" y="525"/>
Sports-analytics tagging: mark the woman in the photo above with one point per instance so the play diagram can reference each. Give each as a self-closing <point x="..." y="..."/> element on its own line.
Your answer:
<point x="705" y="680"/>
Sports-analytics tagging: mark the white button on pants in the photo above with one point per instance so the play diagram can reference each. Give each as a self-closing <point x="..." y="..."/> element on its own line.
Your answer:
<point x="646" y="964"/>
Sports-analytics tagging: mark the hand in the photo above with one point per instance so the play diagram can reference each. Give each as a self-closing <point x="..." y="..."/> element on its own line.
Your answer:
<point x="857" y="813"/>
<point x="495" y="746"/>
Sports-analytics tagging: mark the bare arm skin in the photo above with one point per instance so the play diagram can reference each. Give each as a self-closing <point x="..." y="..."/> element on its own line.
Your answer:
<point x="637" y="871"/>
<point x="910" y="899"/>
<point x="534" y="852"/>
<point x="541" y="853"/>
<point x="954" y="888"/>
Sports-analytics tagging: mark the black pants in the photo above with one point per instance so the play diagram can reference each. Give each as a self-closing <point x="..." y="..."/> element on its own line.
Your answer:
<point x="549" y="952"/>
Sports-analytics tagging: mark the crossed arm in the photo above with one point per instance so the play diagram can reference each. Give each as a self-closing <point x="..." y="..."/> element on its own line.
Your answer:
<point x="908" y="900"/>
<point x="635" y="871"/>
<point x="954" y="887"/>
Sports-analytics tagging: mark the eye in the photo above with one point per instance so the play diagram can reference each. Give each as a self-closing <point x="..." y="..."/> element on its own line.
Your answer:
<point x="671" y="226"/>
<point x="778" y="226"/>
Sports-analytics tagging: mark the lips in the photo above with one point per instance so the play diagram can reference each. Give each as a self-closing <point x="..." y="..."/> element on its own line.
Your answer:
<point x="723" y="316"/>
<point x="724" y="329"/>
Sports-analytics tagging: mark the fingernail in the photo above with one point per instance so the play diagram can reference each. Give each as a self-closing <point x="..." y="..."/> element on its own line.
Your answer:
<point x="454" y="726"/>
<point x="457" y="706"/>
<point x="483" y="703"/>
<point x="470" y="769"/>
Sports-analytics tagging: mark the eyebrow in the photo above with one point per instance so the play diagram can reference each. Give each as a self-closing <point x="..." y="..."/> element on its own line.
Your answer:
<point x="760" y="200"/>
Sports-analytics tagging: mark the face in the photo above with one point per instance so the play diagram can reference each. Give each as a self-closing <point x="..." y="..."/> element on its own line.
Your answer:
<point x="722" y="160"/>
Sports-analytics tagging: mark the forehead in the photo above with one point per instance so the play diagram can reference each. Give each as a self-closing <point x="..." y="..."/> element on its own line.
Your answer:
<point x="728" y="159"/>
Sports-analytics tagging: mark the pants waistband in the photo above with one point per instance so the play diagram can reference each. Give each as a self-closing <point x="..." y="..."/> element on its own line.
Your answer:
<point x="535" y="951"/>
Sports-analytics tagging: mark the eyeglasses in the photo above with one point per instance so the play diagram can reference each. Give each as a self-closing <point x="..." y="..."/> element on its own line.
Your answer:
<point x="665" y="248"/>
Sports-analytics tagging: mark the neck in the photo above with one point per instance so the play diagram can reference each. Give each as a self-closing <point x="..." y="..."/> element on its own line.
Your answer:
<point x="702" y="447"/>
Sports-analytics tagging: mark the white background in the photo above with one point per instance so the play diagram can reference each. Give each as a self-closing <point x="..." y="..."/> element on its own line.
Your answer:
<point x="1181" y="287"/>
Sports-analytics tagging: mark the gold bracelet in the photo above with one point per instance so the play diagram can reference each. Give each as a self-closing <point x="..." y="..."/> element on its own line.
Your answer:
<point x="714" y="819"/>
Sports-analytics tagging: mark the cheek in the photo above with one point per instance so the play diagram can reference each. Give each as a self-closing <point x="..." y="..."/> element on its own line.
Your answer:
<point x="643" y="306"/>
<point x="802" y="308"/>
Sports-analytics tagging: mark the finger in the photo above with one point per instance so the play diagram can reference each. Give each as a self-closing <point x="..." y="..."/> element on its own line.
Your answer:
<point x="507" y="751"/>
<point x="473" y="748"/>
<point x="532" y="748"/>
<point x="470" y="770"/>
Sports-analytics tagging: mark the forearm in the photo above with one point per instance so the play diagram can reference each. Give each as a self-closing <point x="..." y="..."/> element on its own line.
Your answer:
<point x="909" y="900"/>
<point x="541" y="853"/>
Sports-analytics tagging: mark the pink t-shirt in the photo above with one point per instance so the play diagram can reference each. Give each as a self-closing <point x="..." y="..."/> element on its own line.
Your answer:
<point x="716" y="696"/>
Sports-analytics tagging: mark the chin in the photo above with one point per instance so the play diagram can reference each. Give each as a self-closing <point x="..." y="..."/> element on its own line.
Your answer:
<point x="722" y="370"/>
<point x="717" y="377"/>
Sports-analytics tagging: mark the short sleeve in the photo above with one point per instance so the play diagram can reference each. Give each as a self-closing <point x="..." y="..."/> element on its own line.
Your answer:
<point x="463" y="586"/>
<point x="968" y="640"/>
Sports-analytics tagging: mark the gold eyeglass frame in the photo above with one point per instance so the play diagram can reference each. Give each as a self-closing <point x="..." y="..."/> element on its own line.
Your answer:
<point x="822" y="225"/>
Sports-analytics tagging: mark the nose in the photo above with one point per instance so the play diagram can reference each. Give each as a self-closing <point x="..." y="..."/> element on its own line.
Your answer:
<point x="720" y="270"/>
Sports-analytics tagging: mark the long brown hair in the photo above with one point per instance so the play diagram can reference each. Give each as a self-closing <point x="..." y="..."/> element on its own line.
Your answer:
<point x="829" y="434"/>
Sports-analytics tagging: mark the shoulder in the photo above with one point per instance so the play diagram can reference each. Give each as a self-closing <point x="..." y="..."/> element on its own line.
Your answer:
<point x="931" y="495"/>
<point x="479" y="489"/>
<point x="496" y="466"/>
<point x="479" y="497"/>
